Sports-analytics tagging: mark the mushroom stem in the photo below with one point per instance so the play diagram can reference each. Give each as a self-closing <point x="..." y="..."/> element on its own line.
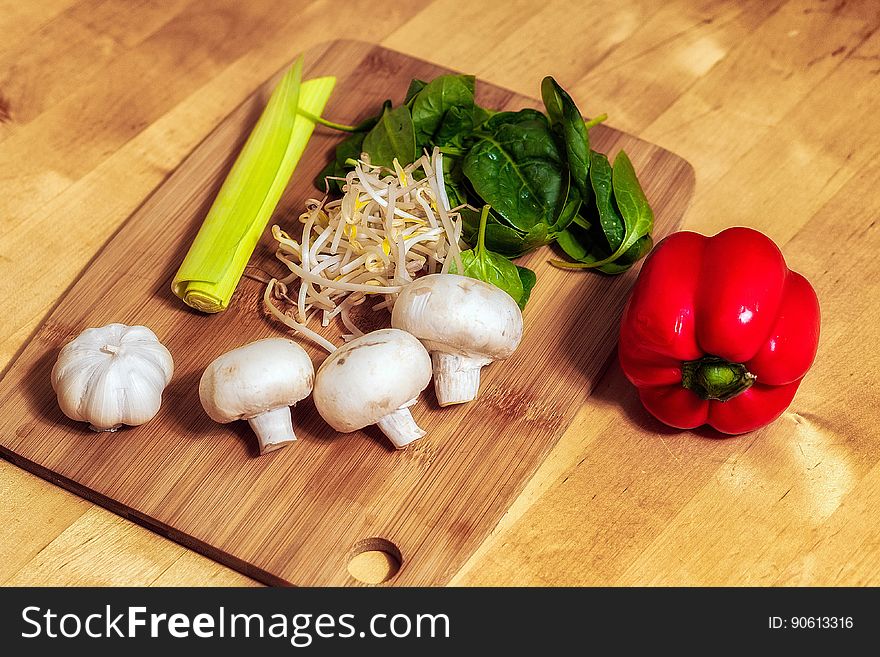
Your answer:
<point x="274" y="429"/>
<point x="456" y="378"/>
<point x="400" y="427"/>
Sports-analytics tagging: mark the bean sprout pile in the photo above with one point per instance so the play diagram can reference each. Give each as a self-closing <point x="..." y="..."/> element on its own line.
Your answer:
<point x="390" y="226"/>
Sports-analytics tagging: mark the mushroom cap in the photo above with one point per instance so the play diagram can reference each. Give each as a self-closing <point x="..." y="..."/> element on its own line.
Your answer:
<point x="459" y="315"/>
<point x="258" y="377"/>
<point x="370" y="377"/>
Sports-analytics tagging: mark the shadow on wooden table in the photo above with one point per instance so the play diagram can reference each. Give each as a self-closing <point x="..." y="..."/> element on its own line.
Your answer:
<point x="615" y="390"/>
<point x="40" y="395"/>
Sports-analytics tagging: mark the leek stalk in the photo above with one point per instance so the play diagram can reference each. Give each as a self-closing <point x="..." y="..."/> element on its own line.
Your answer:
<point x="220" y="251"/>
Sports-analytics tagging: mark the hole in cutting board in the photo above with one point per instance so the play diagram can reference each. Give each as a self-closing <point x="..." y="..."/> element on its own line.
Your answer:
<point x="374" y="560"/>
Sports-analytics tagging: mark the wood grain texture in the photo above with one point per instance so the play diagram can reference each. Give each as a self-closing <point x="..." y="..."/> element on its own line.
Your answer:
<point x="296" y="516"/>
<point x="773" y="101"/>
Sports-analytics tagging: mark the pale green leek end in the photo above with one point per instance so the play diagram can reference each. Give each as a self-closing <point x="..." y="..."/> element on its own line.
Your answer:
<point x="216" y="260"/>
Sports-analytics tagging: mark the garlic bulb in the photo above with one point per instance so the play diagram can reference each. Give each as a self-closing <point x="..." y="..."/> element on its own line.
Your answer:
<point x="112" y="375"/>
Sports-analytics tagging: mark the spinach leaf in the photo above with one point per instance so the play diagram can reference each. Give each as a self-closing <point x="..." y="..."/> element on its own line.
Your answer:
<point x="528" y="279"/>
<point x="481" y="115"/>
<point x="367" y="124"/>
<point x="609" y="217"/>
<point x="581" y="243"/>
<point x="627" y="204"/>
<point x="632" y="255"/>
<point x="415" y="86"/>
<point x="579" y="220"/>
<point x="455" y="128"/>
<point x="456" y="190"/>
<point x="537" y="235"/>
<point x="566" y="119"/>
<point x="515" y="166"/>
<point x="349" y="148"/>
<point x="500" y="237"/>
<point x="638" y="218"/>
<point x="576" y="243"/>
<point x="570" y="206"/>
<point x="392" y="137"/>
<point x="575" y="248"/>
<point x="493" y="269"/>
<point x="432" y="103"/>
<point x="482" y="264"/>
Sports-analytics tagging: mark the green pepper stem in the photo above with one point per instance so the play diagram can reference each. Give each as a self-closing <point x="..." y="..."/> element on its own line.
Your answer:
<point x="712" y="377"/>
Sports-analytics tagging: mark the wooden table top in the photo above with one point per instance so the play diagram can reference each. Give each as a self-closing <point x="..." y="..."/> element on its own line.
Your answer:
<point x="774" y="103"/>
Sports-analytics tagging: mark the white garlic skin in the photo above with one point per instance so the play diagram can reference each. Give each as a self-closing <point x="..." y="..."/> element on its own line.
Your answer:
<point x="112" y="375"/>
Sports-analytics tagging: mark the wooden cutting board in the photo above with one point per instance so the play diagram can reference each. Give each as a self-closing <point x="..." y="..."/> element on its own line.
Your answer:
<point x="297" y="516"/>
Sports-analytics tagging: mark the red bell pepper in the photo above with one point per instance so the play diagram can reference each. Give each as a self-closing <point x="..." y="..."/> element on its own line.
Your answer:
<point x="718" y="331"/>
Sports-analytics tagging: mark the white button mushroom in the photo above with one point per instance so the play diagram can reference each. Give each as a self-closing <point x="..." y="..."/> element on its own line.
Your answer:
<point x="258" y="383"/>
<point x="373" y="380"/>
<point x="465" y="323"/>
<point x="112" y="375"/>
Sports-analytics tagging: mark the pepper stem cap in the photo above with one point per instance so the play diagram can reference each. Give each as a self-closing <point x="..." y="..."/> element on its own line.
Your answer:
<point x="712" y="377"/>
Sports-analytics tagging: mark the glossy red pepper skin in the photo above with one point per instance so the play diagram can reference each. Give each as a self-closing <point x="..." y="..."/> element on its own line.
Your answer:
<point x="730" y="296"/>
